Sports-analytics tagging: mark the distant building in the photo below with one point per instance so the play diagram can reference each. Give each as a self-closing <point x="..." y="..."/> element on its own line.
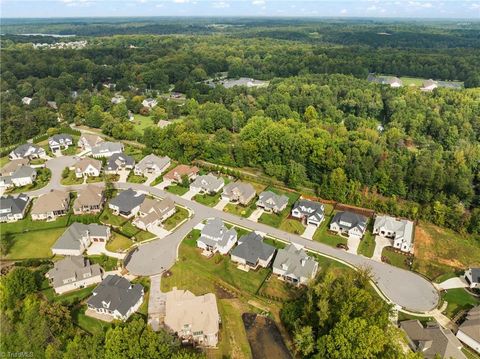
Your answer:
<point x="73" y="272"/>
<point x="26" y="100"/>
<point x="149" y="102"/>
<point x="116" y="298"/>
<point x="192" y="318"/>
<point x="429" y="85"/>
<point x="392" y="81"/>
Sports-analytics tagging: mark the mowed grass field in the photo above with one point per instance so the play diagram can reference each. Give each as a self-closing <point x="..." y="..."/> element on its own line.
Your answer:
<point x="142" y="122"/>
<point x="33" y="244"/>
<point x="440" y="251"/>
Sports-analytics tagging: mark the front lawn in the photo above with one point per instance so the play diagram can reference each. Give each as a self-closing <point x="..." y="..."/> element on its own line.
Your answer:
<point x="43" y="178"/>
<point x="180" y="215"/>
<point x="70" y="178"/>
<point x="275" y="220"/>
<point x="207" y="199"/>
<point x="238" y="210"/>
<point x="107" y="263"/>
<point x="395" y="258"/>
<point x="32" y="244"/>
<point x="107" y="217"/>
<point x="292" y="226"/>
<point x="133" y="178"/>
<point x="323" y="235"/>
<point x="91" y="179"/>
<point x="71" y="150"/>
<point x="367" y="245"/>
<point x="118" y="243"/>
<point x="177" y="189"/>
<point x="458" y="299"/>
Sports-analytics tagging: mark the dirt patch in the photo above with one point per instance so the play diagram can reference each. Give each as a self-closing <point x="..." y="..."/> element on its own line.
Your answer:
<point x="424" y="243"/>
<point x="222" y="293"/>
<point x="264" y="337"/>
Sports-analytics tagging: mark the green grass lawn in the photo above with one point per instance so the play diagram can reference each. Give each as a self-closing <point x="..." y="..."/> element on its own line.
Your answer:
<point x="239" y="210"/>
<point x="33" y="244"/>
<point x="133" y="178"/>
<point x="458" y="299"/>
<point x="207" y="200"/>
<point x="118" y="242"/>
<point x="89" y="324"/>
<point x="394" y="258"/>
<point x="277" y="288"/>
<point x="43" y="178"/>
<point x="107" y="217"/>
<point x="292" y="226"/>
<point x="470" y="354"/>
<point x="367" y="245"/>
<point x="96" y="179"/>
<point x="404" y="316"/>
<point x="177" y="189"/>
<point x="71" y="179"/>
<point x="142" y="122"/>
<point x="28" y="225"/>
<point x="323" y="235"/>
<point x="134" y="152"/>
<point x="275" y="243"/>
<point x="275" y="220"/>
<point x="107" y="263"/>
<point x="174" y="220"/>
<point x="72" y="150"/>
<point x="4" y="160"/>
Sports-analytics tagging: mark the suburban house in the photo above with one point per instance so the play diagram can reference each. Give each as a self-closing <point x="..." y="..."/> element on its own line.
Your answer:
<point x="50" y="205"/>
<point x="149" y="102"/>
<point x="472" y="276"/>
<point x="6" y="182"/>
<point x="392" y="81"/>
<point x="60" y="142"/>
<point x="216" y="237"/>
<point x="119" y="161"/>
<point x="429" y="85"/>
<point x="88" y="141"/>
<point x="73" y="272"/>
<point x="116" y="298"/>
<point x="12" y="166"/>
<point x="309" y="212"/>
<point x="239" y="192"/>
<point x="89" y="199"/>
<point x="251" y="252"/>
<point x="432" y="341"/>
<point x="399" y="230"/>
<point x="272" y="202"/>
<point x="24" y="176"/>
<point x="76" y="238"/>
<point x="106" y="149"/>
<point x="117" y="99"/>
<point x="350" y="224"/>
<point x="126" y="203"/>
<point x="27" y="150"/>
<point x="13" y="208"/>
<point x="469" y="331"/>
<point x="192" y="318"/>
<point x="26" y="100"/>
<point x="293" y="265"/>
<point x="208" y="184"/>
<point x="152" y="164"/>
<point x="153" y="212"/>
<point x="87" y="167"/>
<point x="176" y="174"/>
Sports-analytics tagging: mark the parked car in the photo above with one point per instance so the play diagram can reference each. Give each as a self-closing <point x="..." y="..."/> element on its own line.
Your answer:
<point x="342" y="246"/>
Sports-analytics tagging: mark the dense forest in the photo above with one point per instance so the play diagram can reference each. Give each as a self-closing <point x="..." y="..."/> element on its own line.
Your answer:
<point x="318" y="124"/>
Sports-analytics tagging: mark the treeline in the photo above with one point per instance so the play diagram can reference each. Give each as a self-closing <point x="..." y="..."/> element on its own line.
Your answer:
<point x="33" y="327"/>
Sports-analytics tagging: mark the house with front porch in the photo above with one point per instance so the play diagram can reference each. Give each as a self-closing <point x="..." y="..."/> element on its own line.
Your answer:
<point x="349" y="224"/>
<point x="152" y="164"/>
<point x="12" y="208"/>
<point x="60" y="141"/>
<point x="272" y="202"/>
<point x="209" y="184"/>
<point x="293" y="265"/>
<point x="78" y="237"/>
<point x="216" y="237"/>
<point x="309" y="212"/>
<point x="400" y="231"/>
<point x="50" y="205"/>
<point x="87" y="167"/>
<point x="24" y="176"/>
<point x="154" y="212"/>
<point x="119" y="161"/>
<point x="115" y="298"/>
<point x="27" y="150"/>
<point x="239" y="192"/>
<point x="127" y="203"/>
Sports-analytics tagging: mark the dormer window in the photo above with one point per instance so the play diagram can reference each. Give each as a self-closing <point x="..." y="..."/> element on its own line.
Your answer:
<point x="105" y="304"/>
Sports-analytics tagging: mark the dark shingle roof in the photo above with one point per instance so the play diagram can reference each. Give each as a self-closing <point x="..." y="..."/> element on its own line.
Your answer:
<point x="251" y="248"/>
<point x="12" y="205"/>
<point x="127" y="200"/>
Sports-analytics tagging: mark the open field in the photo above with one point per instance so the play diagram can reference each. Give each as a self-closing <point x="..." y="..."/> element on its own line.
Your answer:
<point x="367" y="245"/>
<point x="141" y="122"/>
<point x="395" y="258"/>
<point x="439" y="251"/>
<point x="4" y="160"/>
<point x="71" y="179"/>
<point x="33" y="244"/>
<point x="133" y="178"/>
<point x="292" y="226"/>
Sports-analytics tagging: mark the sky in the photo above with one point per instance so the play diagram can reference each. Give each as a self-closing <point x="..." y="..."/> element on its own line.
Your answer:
<point x="468" y="9"/>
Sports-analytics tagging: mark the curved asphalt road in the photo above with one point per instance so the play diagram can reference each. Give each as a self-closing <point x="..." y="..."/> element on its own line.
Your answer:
<point x="402" y="287"/>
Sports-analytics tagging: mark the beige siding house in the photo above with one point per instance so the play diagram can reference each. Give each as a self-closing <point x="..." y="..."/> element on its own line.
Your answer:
<point x="89" y="200"/>
<point x="50" y="205"/>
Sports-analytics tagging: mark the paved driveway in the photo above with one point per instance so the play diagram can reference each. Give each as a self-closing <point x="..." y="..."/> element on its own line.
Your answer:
<point x="452" y="283"/>
<point x="380" y="243"/>
<point x="156" y="303"/>
<point x="221" y="205"/>
<point x="353" y="244"/>
<point x="190" y="193"/>
<point x="309" y="231"/>
<point x="256" y="215"/>
<point x="123" y="175"/>
<point x="97" y="248"/>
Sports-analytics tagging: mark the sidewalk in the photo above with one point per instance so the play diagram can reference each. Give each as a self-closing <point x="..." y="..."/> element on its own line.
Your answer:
<point x="156" y="303"/>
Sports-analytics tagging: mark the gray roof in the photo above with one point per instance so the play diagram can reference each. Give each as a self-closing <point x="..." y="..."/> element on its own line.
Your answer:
<point x="152" y="160"/>
<point x="475" y="274"/>
<point x="118" y="292"/>
<point x="12" y="205"/>
<point x="243" y="190"/>
<point x="471" y="325"/>
<point x="24" y="171"/>
<point x="216" y="233"/>
<point x="21" y="150"/>
<point x="251" y="248"/>
<point x="127" y="200"/>
<point x="70" y="239"/>
<point x="60" y="138"/>
<point x="383" y="80"/>
<point x="295" y="262"/>
<point x="271" y="200"/>
<point x="432" y="340"/>
<point x="309" y="209"/>
<point x="349" y="220"/>
<point x="119" y="159"/>
<point x="72" y="267"/>
<point x="401" y="227"/>
<point x="208" y="182"/>
<point x="104" y="147"/>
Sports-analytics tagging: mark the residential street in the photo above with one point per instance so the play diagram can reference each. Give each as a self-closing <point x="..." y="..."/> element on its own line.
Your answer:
<point x="402" y="287"/>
